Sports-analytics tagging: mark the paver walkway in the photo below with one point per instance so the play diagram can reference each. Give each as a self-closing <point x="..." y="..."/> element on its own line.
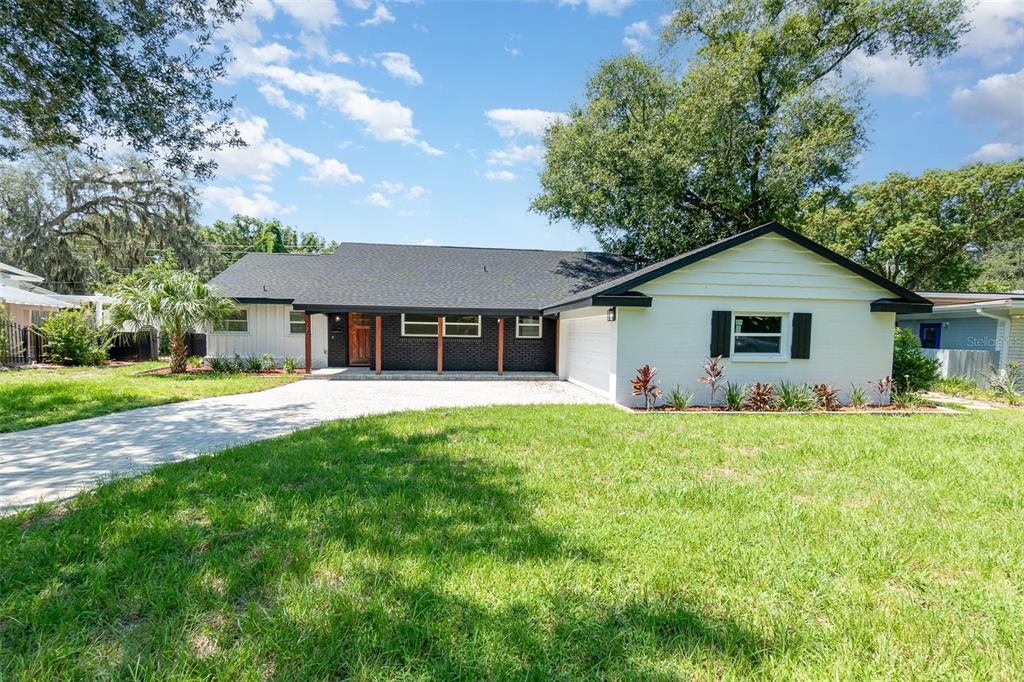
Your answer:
<point x="53" y="462"/>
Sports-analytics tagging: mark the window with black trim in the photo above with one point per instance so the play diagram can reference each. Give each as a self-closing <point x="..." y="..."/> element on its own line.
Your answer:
<point x="237" y="321"/>
<point x="757" y="335"/>
<point x="296" y="322"/>
<point x="529" y="327"/>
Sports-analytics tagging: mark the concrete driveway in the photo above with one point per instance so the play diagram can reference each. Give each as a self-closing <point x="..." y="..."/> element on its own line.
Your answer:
<point x="57" y="461"/>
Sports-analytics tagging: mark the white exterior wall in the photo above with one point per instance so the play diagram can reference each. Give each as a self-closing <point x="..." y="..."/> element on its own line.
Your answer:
<point x="770" y="274"/>
<point x="268" y="333"/>
<point x="587" y="348"/>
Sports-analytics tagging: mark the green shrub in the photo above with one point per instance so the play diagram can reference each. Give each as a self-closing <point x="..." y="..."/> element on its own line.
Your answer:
<point x="252" y="363"/>
<point x="267" y="361"/>
<point x="1008" y="385"/>
<point x="907" y="400"/>
<point x="71" y="339"/>
<point x="734" y="396"/>
<point x="858" y="397"/>
<point x="794" y="397"/>
<point x="912" y="370"/>
<point x="290" y="365"/>
<point x="195" y="361"/>
<point x="961" y="387"/>
<point x="225" y="365"/>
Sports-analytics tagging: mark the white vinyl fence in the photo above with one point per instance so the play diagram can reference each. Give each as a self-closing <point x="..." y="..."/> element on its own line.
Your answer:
<point x="973" y="364"/>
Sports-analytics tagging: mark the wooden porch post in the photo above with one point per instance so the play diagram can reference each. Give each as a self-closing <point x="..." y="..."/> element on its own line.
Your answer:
<point x="440" y="344"/>
<point x="558" y="323"/>
<point x="309" y="344"/>
<point x="376" y="345"/>
<point x="501" y="345"/>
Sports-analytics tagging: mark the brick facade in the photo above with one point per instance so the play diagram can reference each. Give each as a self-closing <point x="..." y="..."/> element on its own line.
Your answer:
<point x="461" y="354"/>
<point x="337" y="340"/>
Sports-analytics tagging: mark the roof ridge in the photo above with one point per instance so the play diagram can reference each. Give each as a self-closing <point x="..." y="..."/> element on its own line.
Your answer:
<point x="481" y="248"/>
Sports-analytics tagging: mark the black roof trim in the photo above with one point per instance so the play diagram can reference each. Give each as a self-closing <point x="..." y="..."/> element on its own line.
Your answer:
<point x="250" y="299"/>
<point x="630" y="299"/>
<point x="392" y="310"/>
<point x="644" y="275"/>
<point x="891" y="305"/>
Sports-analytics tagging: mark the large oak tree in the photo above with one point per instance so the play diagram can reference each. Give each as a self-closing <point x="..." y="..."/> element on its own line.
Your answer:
<point x="655" y="164"/>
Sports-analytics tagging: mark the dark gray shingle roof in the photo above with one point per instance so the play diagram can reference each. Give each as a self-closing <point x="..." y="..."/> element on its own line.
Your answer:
<point x="420" y="277"/>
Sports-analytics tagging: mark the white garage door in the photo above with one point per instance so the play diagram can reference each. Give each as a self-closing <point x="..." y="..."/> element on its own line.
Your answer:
<point x="589" y="352"/>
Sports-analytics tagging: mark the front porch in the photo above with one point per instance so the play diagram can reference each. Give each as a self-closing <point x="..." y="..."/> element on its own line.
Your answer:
<point x="369" y="374"/>
<point x="458" y="345"/>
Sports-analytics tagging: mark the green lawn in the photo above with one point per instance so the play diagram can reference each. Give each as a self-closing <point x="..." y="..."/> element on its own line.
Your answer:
<point x="37" y="397"/>
<point x="542" y="543"/>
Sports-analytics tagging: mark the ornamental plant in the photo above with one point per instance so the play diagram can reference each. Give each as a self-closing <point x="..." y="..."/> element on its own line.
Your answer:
<point x="714" y="376"/>
<point x="71" y="338"/>
<point x="912" y="370"/>
<point x="645" y="385"/>
<point x="827" y="396"/>
<point x="760" y="397"/>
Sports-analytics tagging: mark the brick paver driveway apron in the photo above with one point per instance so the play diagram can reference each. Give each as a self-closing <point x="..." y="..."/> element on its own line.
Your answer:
<point x="53" y="462"/>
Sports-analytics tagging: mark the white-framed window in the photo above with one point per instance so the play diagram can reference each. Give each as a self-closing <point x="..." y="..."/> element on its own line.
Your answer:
<point x="464" y="326"/>
<point x="529" y="327"/>
<point x="419" y="324"/>
<point x="455" y="326"/>
<point x="296" y="322"/>
<point x="237" y="321"/>
<point x="758" y="335"/>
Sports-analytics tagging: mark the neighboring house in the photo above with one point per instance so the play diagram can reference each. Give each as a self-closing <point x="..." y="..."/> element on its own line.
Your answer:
<point x="970" y="332"/>
<point x="26" y="303"/>
<point x="779" y="306"/>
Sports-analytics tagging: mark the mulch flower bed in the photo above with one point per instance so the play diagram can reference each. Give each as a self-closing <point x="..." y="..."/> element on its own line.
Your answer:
<point x="207" y="370"/>
<point x="846" y="409"/>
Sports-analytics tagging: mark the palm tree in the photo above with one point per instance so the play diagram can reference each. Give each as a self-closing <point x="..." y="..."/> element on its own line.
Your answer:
<point x="175" y="304"/>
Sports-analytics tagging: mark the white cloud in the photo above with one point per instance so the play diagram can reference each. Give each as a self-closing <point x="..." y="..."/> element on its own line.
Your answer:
<point x="377" y="199"/>
<point x="609" y="7"/>
<point x="427" y="242"/>
<point x="639" y="29"/>
<point x="275" y="97"/>
<point x="340" y="58"/>
<point x="632" y="44"/>
<point x="313" y="44"/>
<point x="390" y="187"/>
<point x="887" y="74"/>
<point x="500" y="176"/>
<point x="997" y="32"/>
<point x="998" y="98"/>
<point x="235" y="200"/>
<point x="399" y="65"/>
<point x="515" y="155"/>
<point x="314" y="15"/>
<point x="381" y="15"/>
<point x="416" y="192"/>
<point x="385" y="120"/>
<point x="360" y="4"/>
<point x="996" y="151"/>
<point x="332" y="172"/>
<point x="250" y="59"/>
<point x="263" y="155"/>
<point x="510" y="122"/>
<point x="246" y="29"/>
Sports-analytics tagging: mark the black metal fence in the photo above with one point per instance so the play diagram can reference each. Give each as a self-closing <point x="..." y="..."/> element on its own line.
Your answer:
<point x="19" y="345"/>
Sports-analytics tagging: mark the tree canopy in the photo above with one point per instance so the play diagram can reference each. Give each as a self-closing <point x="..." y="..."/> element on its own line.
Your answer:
<point x="942" y="230"/>
<point x="68" y="218"/>
<point x="655" y="164"/>
<point x="78" y="73"/>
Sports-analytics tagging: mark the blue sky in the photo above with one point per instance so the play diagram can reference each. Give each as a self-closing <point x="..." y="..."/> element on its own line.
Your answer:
<point x="418" y="122"/>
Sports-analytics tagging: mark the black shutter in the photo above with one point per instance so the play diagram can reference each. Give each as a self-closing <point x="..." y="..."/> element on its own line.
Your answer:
<point x="801" y="349"/>
<point x="721" y="332"/>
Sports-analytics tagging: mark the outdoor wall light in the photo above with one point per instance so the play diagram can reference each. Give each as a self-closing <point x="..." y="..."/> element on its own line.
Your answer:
<point x="611" y="314"/>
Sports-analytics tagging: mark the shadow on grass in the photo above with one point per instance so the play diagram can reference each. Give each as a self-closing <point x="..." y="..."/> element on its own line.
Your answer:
<point x="330" y="554"/>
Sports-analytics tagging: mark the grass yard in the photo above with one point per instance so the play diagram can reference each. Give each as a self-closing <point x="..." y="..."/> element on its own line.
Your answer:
<point x="541" y="543"/>
<point x="37" y="397"/>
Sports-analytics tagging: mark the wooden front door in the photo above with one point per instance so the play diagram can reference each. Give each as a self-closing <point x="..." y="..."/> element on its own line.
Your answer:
<point x="358" y="339"/>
